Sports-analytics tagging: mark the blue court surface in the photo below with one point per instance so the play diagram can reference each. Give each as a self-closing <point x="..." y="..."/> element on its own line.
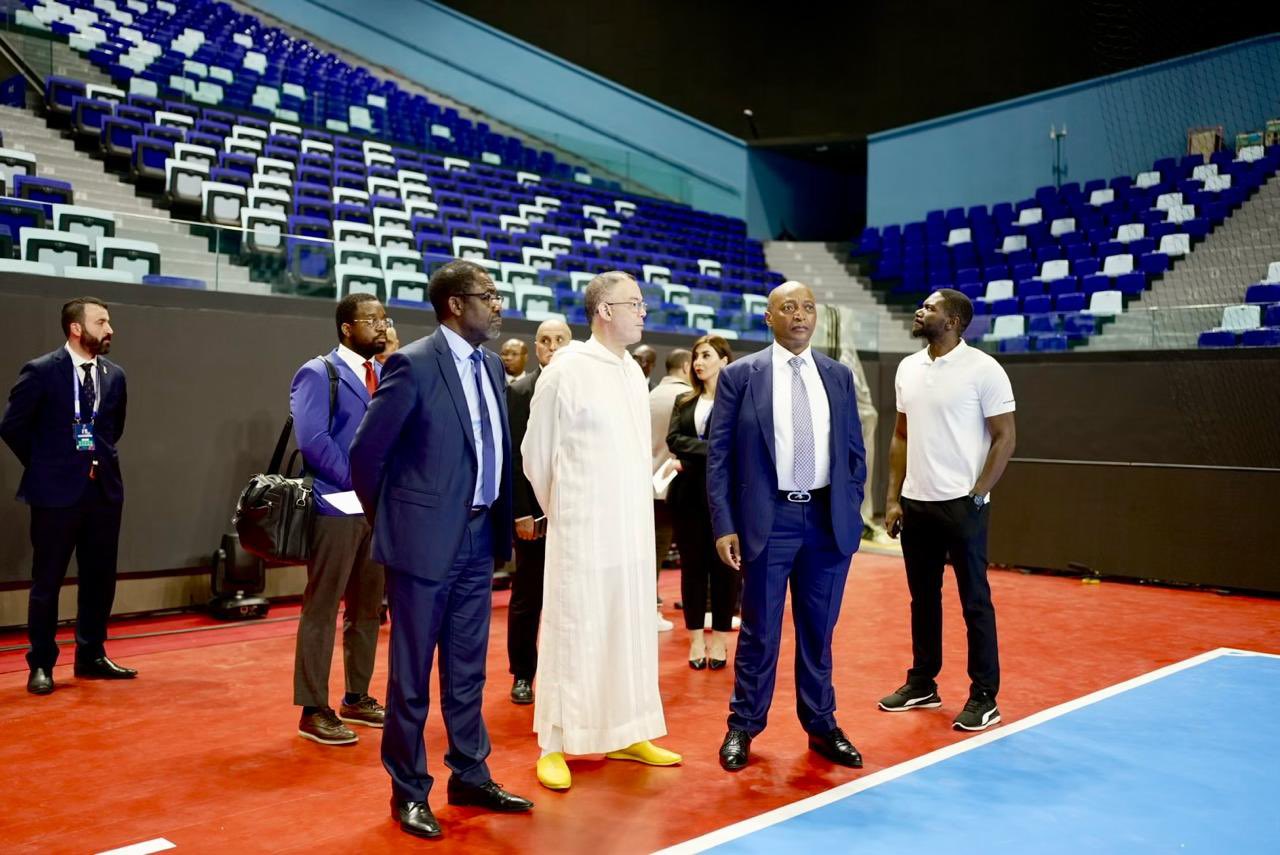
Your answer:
<point x="1186" y="759"/>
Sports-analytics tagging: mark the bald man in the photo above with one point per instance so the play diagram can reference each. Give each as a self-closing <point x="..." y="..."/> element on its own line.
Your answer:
<point x="531" y="530"/>
<point x="785" y="476"/>
<point x="514" y="356"/>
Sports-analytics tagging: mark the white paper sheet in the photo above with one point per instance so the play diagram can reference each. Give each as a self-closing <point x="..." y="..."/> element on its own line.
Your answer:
<point x="664" y="476"/>
<point x="345" y="502"/>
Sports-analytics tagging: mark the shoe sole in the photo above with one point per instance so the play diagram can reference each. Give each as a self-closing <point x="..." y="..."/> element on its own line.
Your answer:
<point x="733" y="768"/>
<point x="522" y="703"/>
<point x="425" y="835"/>
<point x="839" y="762"/>
<point x="932" y="705"/>
<point x="468" y="803"/>
<point x="360" y="722"/>
<point x="618" y="755"/>
<point x="994" y="721"/>
<point x="352" y="741"/>
<point x="48" y="691"/>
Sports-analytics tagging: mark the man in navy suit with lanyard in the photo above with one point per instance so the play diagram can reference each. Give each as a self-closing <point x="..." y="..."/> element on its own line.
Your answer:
<point x="64" y="418"/>
<point x="431" y="464"/>
<point x="785" y="477"/>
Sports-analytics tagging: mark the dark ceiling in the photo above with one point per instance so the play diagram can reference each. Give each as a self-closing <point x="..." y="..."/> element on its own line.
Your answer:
<point x="852" y="69"/>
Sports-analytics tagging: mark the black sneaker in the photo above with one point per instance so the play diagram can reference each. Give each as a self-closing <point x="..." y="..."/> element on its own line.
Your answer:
<point x="979" y="713"/>
<point x="911" y="697"/>
<point x="323" y="726"/>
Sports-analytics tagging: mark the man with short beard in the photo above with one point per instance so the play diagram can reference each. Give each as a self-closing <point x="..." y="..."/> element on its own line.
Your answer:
<point x="329" y="397"/>
<point x="64" y="419"/>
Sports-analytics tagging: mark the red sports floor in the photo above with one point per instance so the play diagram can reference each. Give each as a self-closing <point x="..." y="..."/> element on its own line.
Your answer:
<point x="202" y="750"/>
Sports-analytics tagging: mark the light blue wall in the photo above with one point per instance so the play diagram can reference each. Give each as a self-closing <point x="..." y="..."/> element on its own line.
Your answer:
<point x="1116" y="125"/>
<point x="527" y="87"/>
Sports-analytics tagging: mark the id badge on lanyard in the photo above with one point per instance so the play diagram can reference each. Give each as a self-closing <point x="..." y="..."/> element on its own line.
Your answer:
<point x="82" y="430"/>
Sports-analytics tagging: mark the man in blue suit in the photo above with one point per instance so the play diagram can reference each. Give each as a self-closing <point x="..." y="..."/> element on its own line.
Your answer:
<point x="64" y="418"/>
<point x="785" y="477"/>
<point x="328" y="399"/>
<point x="431" y="464"/>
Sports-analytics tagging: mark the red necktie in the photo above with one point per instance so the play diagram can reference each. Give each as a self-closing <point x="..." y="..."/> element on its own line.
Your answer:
<point x="370" y="379"/>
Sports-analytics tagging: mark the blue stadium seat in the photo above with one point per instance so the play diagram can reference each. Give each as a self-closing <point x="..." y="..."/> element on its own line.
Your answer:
<point x="1261" y="337"/>
<point x="1217" y="338"/>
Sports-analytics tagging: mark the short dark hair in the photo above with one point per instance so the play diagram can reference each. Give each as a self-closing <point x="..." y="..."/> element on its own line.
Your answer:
<point x="956" y="305"/>
<point x="678" y="359"/>
<point x="452" y="279"/>
<point x="347" y="308"/>
<point x="73" y="312"/>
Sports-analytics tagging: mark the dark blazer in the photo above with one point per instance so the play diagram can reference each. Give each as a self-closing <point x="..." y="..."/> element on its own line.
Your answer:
<point x="742" y="478"/>
<point x="413" y="462"/>
<point x="519" y="394"/>
<point x="688" y="491"/>
<point x="37" y="425"/>
<point x="324" y="449"/>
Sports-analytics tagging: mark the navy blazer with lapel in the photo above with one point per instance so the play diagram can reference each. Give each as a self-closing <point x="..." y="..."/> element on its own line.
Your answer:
<point x="413" y="461"/>
<point x="742" y="478"/>
<point x="326" y="449"/>
<point x="37" y="425"/>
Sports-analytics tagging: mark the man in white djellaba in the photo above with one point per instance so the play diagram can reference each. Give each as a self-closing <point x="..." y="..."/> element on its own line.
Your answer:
<point x="587" y="456"/>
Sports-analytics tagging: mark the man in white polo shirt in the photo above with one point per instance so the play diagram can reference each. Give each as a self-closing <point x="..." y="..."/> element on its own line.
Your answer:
<point x="959" y="405"/>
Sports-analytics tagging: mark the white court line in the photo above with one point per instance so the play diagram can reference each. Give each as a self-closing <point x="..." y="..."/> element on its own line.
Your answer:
<point x="835" y="794"/>
<point x="146" y="847"/>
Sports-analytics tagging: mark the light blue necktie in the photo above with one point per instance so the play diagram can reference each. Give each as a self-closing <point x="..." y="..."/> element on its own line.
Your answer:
<point x="803" y="464"/>
<point x="489" y="487"/>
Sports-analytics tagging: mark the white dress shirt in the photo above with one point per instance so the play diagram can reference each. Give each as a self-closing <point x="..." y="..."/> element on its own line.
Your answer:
<point x="77" y="360"/>
<point x="462" y="351"/>
<point x="819" y="411"/>
<point x="356" y="362"/>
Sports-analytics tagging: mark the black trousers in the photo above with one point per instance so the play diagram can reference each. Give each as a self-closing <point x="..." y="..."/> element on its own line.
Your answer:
<point x="701" y="570"/>
<point x="340" y="570"/>
<point x="91" y="529"/>
<point x="932" y="531"/>
<point x="525" y="610"/>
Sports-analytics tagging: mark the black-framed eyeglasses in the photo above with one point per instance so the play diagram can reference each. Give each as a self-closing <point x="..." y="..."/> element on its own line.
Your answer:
<point x="376" y="323"/>
<point x="488" y="296"/>
<point x="640" y="307"/>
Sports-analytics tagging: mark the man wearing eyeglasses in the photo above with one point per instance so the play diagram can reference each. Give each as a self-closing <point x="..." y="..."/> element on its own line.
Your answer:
<point x="431" y="464"/>
<point x="586" y="453"/>
<point x="785" y="475"/>
<point x="329" y="397"/>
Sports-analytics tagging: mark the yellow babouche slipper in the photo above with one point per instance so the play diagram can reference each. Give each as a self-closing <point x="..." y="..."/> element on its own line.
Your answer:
<point x="648" y="753"/>
<point x="553" y="772"/>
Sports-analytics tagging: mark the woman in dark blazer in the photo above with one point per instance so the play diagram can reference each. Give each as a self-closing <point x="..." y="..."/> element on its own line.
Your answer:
<point x="700" y="567"/>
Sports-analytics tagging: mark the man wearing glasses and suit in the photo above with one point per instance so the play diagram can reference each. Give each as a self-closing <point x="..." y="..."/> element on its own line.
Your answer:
<point x="329" y="397"/>
<point x="431" y="465"/>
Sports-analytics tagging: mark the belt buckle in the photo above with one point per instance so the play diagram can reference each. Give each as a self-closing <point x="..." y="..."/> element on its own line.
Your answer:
<point x="799" y="497"/>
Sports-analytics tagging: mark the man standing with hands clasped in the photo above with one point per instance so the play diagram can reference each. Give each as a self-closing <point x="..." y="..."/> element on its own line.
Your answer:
<point x="954" y="436"/>
<point x="785" y="475"/>
<point x="65" y="416"/>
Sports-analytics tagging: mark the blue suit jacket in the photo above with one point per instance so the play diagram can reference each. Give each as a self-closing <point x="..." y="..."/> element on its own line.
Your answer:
<point x="37" y="425"/>
<point x="742" y="478"/>
<point x="324" y="449"/>
<point x="413" y="461"/>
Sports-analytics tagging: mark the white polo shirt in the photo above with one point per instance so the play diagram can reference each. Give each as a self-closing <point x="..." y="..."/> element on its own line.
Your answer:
<point x="947" y="402"/>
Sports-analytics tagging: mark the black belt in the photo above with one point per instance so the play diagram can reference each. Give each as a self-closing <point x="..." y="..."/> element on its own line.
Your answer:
<point x="803" y="497"/>
<point x="479" y="510"/>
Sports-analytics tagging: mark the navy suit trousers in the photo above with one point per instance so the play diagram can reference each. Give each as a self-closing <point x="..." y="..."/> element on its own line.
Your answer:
<point x="802" y="552"/>
<point x="452" y="616"/>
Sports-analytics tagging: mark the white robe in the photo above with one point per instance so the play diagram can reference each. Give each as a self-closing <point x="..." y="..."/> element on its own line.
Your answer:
<point x="587" y="456"/>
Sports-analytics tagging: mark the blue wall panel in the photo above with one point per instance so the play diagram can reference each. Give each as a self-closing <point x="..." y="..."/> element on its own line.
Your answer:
<point x="1116" y="125"/>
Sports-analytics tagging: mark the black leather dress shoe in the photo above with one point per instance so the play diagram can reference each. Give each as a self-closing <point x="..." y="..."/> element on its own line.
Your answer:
<point x="698" y="664"/>
<point x="40" y="682"/>
<point x="522" y="692"/>
<point x="735" y="750"/>
<point x="836" y="747"/>
<point x="415" y="818"/>
<point x="717" y="664"/>
<point x="103" y="668"/>
<point x="488" y="795"/>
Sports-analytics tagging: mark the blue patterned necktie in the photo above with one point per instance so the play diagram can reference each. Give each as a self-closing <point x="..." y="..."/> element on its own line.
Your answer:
<point x="804" y="464"/>
<point x="88" y="394"/>
<point x="489" y="487"/>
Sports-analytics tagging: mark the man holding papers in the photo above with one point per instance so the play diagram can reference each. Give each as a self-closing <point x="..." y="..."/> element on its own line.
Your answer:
<point x="328" y="399"/>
